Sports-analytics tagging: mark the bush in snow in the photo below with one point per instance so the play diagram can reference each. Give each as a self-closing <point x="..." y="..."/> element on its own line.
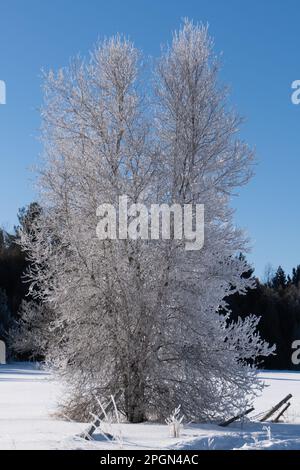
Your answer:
<point x="174" y="422"/>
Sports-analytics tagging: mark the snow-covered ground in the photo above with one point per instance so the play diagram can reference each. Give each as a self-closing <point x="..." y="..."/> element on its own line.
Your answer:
<point x="28" y="400"/>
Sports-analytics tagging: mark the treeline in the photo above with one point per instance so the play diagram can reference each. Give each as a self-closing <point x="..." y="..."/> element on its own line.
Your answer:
<point x="13" y="265"/>
<point x="276" y="301"/>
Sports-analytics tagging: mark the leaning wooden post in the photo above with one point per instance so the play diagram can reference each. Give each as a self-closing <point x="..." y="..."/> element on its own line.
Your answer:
<point x="235" y="418"/>
<point x="282" y="412"/>
<point x="276" y="407"/>
<point x="96" y="423"/>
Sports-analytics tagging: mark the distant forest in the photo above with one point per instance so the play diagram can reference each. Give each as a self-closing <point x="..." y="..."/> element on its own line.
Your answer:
<point x="276" y="299"/>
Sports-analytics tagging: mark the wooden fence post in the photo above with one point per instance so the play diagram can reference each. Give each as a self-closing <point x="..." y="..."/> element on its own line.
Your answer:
<point x="275" y="408"/>
<point x="235" y="418"/>
<point x="281" y="412"/>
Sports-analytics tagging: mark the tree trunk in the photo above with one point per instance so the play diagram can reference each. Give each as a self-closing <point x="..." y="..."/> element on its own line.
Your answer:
<point x="135" y="398"/>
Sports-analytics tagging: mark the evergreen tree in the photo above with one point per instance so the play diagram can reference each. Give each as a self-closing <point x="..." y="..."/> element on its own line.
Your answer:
<point x="5" y="315"/>
<point x="279" y="281"/>
<point x="13" y="265"/>
<point x="296" y="276"/>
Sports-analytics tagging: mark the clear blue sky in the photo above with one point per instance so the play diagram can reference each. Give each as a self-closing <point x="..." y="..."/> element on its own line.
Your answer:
<point x="260" y="43"/>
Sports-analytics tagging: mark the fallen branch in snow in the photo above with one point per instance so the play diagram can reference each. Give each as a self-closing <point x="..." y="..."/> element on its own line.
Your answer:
<point x="282" y="412"/>
<point x="235" y="418"/>
<point x="276" y="407"/>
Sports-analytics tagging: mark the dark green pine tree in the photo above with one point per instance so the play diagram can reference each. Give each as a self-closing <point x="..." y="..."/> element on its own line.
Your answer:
<point x="279" y="281"/>
<point x="296" y="276"/>
<point x="5" y="315"/>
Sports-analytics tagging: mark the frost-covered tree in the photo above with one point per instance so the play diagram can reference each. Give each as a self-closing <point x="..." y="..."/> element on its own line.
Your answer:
<point x="142" y="316"/>
<point x="31" y="334"/>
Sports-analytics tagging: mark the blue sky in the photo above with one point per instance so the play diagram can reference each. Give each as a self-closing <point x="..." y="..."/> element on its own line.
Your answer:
<point x="259" y="44"/>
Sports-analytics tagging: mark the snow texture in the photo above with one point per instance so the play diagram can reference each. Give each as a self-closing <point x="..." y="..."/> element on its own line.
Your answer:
<point x="29" y="397"/>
